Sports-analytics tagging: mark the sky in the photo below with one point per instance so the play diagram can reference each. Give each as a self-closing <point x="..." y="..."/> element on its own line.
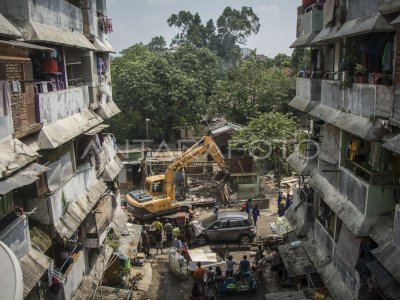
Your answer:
<point x="137" y="21"/>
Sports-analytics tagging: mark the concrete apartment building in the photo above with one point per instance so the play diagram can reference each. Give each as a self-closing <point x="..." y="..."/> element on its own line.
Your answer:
<point x="58" y="164"/>
<point x="346" y="207"/>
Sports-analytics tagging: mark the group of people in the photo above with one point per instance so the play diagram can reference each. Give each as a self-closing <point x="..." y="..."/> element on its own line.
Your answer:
<point x="253" y="211"/>
<point x="284" y="203"/>
<point x="170" y="231"/>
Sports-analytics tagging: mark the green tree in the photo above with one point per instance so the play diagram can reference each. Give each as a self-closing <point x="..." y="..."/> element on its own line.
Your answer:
<point x="157" y="44"/>
<point x="232" y="29"/>
<point x="282" y="60"/>
<point x="251" y="87"/>
<point x="266" y="132"/>
<point x="301" y="57"/>
<point x="171" y="88"/>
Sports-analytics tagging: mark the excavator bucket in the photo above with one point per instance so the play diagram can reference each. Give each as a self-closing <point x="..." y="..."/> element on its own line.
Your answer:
<point x="222" y="176"/>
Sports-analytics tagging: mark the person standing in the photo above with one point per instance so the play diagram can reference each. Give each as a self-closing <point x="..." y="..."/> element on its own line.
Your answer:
<point x="256" y="214"/>
<point x="198" y="274"/>
<point x="244" y="266"/>
<point x="157" y="224"/>
<point x="145" y="242"/>
<point x="216" y="211"/>
<point x="289" y="200"/>
<point x="248" y="206"/>
<point x="260" y="268"/>
<point x="229" y="264"/>
<point x="159" y="241"/>
<point x="168" y="233"/>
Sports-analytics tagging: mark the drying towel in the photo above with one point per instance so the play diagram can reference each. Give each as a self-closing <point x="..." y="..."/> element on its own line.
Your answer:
<point x="5" y="99"/>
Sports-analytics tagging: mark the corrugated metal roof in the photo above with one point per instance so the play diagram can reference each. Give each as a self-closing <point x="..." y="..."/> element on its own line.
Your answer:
<point x="40" y="241"/>
<point x="62" y="131"/>
<point x="108" y="109"/>
<point x="34" y="264"/>
<point x="38" y="32"/>
<point x="78" y="210"/>
<point x="112" y="169"/>
<point x="7" y="29"/>
<point x="96" y="129"/>
<point x="25" y="177"/>
<point x="225" y="128"/>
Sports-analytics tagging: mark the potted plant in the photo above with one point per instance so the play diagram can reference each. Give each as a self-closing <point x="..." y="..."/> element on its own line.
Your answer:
<point x="359" y="73"/>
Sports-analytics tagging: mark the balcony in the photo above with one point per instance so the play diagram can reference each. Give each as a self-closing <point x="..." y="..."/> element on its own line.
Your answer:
<point x="308" y="94"/>
<point x="370" y="199"/>
<point x="61" y="104"/>
<point x="308" y="25"/>
<point x="365" y="100"/>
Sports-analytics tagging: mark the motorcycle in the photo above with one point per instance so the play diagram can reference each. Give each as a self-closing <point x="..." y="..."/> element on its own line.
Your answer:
<point x="238" y="284"/>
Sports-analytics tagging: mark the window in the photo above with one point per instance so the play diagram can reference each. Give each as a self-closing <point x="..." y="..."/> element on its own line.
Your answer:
<point x="158" y="186"/>
<point x="220" y="224"/>
<point x="235" y="223"/>
<point x="6" y="203"/>
<point x="208" y="221"/>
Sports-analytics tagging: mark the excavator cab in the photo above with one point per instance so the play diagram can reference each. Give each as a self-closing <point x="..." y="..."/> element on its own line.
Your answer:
<point x="154" y="185"/>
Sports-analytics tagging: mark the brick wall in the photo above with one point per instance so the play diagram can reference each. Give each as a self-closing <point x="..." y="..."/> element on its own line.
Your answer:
<point x="9" y="72"/>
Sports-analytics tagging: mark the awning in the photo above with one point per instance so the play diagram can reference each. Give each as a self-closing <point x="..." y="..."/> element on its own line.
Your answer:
<point x="300" y="228"/>
<point x="385" y="281"/>
<point x="388" y="255"/>
<point x="327" y="34"/>
<point x="303" y="166"/>
<point x="38" y="32"/>
<point x="96" y="129"/>
<point x="7" y="29"/>
<point x="225" y="128"/>
<point x="354" y="220"/>
<point x="292" y="295"/>
<point x="129" y="241"/>
<point x="19" y="44"/>
<point x="78" y="210"/>
<point x="296" y="260"/>
<point x="108" y="109"/>
<point x="374" y="23"/>
<point x="302" y="104"/>
<point x="24" y="177"/>
<point x="103" y="46"/>
<point x="14" y="155"/>
<point x="304" y="40"/>
<point x="34" y="264"/>
<point x="393" y="144"/>
<point x="329" y="274"/>
<point x="62" y="131"/>
<point x="396" y="22"/>
<point x="357" y="125"/>
<point x="90" y="282"/>
<point x="112" y="169"/>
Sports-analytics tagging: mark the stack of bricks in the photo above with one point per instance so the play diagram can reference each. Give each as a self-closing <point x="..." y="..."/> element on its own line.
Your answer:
<point x="14" y="72"/>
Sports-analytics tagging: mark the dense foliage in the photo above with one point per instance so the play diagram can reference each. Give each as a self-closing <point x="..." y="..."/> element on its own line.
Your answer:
<point x="199" y="78"/>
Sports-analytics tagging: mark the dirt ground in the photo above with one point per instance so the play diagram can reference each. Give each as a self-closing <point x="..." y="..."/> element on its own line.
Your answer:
<point x="165" y="286"/>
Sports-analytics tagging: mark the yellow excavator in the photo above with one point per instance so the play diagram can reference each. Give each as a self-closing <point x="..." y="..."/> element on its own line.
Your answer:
<point x="158" y="197"/>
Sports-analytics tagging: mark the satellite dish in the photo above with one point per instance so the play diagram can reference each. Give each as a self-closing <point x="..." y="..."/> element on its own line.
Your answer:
<point x="11" y="285"/>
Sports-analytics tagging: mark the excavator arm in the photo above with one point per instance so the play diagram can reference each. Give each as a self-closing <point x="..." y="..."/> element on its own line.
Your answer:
<point x="205" y="145"/>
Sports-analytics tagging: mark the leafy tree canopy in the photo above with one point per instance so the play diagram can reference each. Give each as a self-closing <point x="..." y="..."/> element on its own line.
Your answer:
<point x="232" y="29"/>
<point x="251" y="87"/>
<point x="171" y="88"/>
<point x="265" y="133"/>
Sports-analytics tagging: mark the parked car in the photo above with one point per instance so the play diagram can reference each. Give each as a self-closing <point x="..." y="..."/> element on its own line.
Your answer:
<point x="226" y="226"/>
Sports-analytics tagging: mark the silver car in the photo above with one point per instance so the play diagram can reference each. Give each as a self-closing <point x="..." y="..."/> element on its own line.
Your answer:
<point x="227" y="226"/>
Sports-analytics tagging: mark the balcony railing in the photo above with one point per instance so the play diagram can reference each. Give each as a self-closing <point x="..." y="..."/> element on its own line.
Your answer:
<point x="366" y="100"/>
<point x="61" y="104"/>
<point x="308" y="89"/>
